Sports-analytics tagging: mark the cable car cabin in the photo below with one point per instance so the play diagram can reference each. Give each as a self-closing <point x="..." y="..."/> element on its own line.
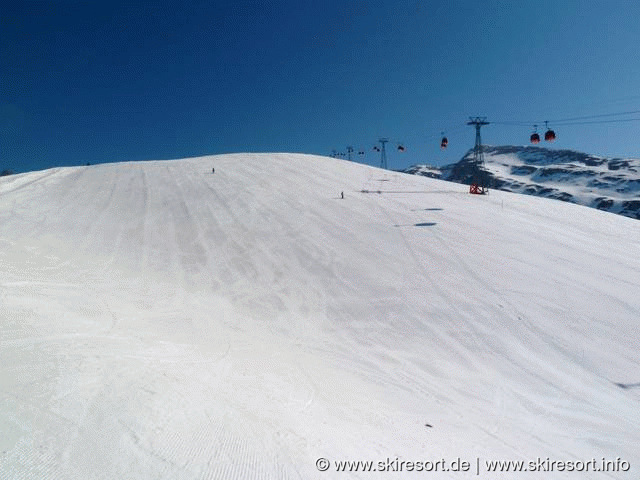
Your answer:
<point x="444" y="143"/>
<point x="535" y="138"/>
<point x="400" y="148"/>
<point x="549" y="135"/>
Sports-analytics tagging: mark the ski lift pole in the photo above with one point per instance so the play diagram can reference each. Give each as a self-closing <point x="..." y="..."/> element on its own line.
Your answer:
<point x="383" y="153"/>
<point x="478" y="156"/>
<point x="349" y="152"/>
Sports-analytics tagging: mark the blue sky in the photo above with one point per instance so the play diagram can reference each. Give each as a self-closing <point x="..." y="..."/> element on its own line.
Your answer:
<point x="139" y="80"/>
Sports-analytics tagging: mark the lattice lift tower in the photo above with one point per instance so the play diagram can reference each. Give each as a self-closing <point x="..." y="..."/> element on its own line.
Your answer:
<point x="383" y="152"/>
<point x="349" y="152"/>
<point x="478" y="183"/>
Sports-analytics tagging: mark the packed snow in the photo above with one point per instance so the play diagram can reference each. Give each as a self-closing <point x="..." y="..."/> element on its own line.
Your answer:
<point x="160" y="321"/>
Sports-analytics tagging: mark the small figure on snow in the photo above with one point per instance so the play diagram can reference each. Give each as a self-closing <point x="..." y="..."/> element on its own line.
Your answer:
<point x="213" y="170"/>
<point x="342" y="195"/>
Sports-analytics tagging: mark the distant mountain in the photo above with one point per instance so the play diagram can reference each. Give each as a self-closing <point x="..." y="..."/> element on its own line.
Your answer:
<point x="425" y="170"/>
<point x="611" y="184"/>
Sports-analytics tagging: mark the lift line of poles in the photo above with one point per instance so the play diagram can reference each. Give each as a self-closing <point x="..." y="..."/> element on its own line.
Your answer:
<point x="479" y="184"/>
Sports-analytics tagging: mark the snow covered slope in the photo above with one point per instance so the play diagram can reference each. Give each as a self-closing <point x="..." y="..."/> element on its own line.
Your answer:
<point x="158" y="321"/>
<point x="610" y="184"/>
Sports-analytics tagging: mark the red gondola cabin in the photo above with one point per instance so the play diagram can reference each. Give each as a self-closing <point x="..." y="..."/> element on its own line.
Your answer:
<point x="549" y="135"/>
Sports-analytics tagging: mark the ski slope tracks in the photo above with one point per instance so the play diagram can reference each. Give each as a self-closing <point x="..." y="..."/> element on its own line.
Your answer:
<point x="159" y="321"/>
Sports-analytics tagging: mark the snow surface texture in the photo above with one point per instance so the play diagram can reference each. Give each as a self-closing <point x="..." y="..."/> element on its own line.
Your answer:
<point x="163" y="322"/>
<point x="611" y="184"/>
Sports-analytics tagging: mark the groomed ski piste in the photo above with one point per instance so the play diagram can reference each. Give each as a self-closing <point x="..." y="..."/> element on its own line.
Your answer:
<point x="160" y="321"/>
